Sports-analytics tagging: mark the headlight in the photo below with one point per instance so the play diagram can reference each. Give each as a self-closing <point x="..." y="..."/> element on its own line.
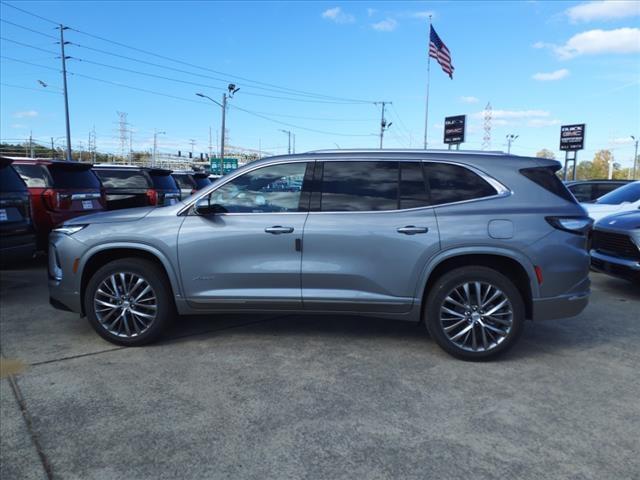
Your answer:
<point x="69" y="229"/>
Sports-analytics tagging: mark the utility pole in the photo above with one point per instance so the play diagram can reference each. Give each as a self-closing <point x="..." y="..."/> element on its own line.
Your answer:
<point x="31" y="144"/>
<point x="66" y="96"/>
<point x="155" y="145"/>
<point x="635" y="157"/>
<point x="288" y="132"/>
<point x="53" y="150"/>
<point x="383" y="122"/>
<point x="130" y="147"/>
<point x="294" y="143"/>
<point x="510" y="139"/>
<point x="210" y="145"/>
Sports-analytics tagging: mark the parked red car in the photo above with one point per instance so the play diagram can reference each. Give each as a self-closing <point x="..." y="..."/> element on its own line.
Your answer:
<point x="59" y="191"/>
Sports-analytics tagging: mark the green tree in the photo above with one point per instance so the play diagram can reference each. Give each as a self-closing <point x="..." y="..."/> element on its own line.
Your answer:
<point x="545" y="153"/>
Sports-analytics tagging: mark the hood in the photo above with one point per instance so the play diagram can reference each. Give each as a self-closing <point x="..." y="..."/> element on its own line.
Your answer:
<point x="598" y="211"/>
<point x="622" y="221"/>
<point x="124" y="215"/>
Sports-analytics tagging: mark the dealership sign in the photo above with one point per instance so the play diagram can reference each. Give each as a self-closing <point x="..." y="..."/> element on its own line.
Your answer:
<point x="572" y="137"/>
<point x="454" y="128"/>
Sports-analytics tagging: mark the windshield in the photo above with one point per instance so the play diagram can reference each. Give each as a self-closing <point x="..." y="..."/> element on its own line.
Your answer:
<point x="629" y="193"/>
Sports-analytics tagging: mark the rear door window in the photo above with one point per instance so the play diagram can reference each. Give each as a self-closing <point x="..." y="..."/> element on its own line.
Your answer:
<point x="33" y="175"/>
<point x="10" y="181"/>
<point x="453" y="183"/>
<point x="133" y="179"/>
<point x="164" y="182"/>
<point x="65" y="176"/>
<point x="359" y="186"/>
<point x="185" y="181"/>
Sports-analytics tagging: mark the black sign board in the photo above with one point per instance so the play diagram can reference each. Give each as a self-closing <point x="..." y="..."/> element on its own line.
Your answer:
<point x="572" y="137"/>
<point x="454" y="129"/>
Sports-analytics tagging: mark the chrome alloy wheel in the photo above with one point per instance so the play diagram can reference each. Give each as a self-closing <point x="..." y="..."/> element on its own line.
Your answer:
<point x="476" y="316"/>
<point x="125" y="304"/>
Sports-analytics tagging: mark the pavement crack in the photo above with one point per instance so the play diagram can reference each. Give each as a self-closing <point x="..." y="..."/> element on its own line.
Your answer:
<point x="26" y="416"/>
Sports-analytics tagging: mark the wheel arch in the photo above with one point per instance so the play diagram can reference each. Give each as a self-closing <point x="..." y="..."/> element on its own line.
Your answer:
<point x="99" y="256"/>
<point x="513" y="265"/>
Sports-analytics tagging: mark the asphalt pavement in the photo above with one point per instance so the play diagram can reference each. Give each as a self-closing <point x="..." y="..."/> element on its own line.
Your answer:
<point x="316" y="397"/>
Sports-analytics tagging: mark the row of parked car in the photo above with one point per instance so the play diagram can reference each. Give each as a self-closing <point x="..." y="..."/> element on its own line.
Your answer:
<point x="38" y="194"/>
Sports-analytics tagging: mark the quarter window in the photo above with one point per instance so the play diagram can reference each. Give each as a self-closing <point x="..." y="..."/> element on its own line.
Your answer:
<point x="453" y="183"/>
<point x="276" y="188"/>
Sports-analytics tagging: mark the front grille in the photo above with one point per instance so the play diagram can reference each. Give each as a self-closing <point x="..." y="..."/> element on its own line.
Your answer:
<point x="615" y="244"/>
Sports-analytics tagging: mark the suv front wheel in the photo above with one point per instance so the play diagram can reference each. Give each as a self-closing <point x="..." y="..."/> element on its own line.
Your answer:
<point x="474" y="313"/>
<point x="128" y="302"/>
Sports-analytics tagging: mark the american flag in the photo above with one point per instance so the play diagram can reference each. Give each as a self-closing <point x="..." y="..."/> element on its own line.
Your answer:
<point x="439" y="51"/>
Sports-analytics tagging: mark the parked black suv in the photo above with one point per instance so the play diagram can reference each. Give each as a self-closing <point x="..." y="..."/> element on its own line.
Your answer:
<point x="131" y="186"/>
<point x="587" y="191"/>
<point x="17" y="236"/>
<point x="190" y="182"/>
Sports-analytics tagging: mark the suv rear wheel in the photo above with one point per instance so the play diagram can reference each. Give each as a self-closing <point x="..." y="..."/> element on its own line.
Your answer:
<point x="474" y="313"/>
<point x="128" y="302"/>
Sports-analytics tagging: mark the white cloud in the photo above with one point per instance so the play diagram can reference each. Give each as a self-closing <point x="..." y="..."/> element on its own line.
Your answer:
<point x="388" y="25"/>
<point x="371" y="12"/>
<point x="603" y="10"/>
<point x="338" y="16"/>
<point x="546" y="77"/>
<point x="25" y="114"/>
<point x="516" y="114"/>
<point x="425" y="14"/>
<point x="593" y="42"/>
<point x="542" y="122"/>
<point x="17" y="125"/>
<point x="622" y="141"/>
<point x="469" y="99"/>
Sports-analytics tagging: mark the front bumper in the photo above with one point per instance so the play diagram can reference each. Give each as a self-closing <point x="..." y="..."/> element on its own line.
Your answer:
<point x="615" y="266"/>
<point x="64" y="283"/>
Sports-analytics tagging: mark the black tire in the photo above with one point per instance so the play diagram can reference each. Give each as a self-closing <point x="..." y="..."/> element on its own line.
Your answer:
<point x="445" y="285"/>
<point x="156" y="279"/>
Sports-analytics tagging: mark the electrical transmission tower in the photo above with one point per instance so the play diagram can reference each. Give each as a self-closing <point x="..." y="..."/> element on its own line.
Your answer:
<point x="486" y="139"/>
<point x="91" y="145"/>
<point x="123" y="129"/>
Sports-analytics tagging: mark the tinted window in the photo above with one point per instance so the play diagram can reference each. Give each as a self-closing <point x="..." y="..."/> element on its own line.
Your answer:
<point x="185" y="181"/>
<point x="413" y="191"/>
<point x="583" y="191"/>
<point x="453" y="183"/>
<point x="276" y="188"/>
<point x="10" y="181"/>
<point x="604" y="188"/>
<point x="546" y="178"/>
<point x="73" y="177"/>
<point x="359" y="186"/>
<point x="33" y="175"/>
<point x="628" y="193"/>
<point x="123" y="178"/>
<point x="164" y="182"/>
<point x="202" y="182"/>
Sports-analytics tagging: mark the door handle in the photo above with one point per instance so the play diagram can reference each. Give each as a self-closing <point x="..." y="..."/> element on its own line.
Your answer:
<point x="277" y="230"/>
<point x="412" y="230"/>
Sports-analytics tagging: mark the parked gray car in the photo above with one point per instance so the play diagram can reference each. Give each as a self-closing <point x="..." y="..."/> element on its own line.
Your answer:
<point x="470" y="244"/>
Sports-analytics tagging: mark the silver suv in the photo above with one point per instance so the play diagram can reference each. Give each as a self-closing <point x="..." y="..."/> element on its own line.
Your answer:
<point x="470" y="244"/>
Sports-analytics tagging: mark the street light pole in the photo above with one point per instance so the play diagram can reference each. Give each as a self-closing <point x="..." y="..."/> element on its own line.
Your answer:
<point x="66" y="97"/>
<point x="231" y="89"/>
<point x="635" y="157"/>
<point x="510" y="139"/>
<point x="155" y="145"/>
<point x="288" y="132"/>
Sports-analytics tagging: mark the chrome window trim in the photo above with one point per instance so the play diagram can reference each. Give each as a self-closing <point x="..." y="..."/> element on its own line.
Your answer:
<point x="502" y="190"/>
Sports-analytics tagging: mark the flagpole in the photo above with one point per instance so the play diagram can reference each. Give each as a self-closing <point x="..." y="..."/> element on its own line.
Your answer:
<point x="426" y="107"/>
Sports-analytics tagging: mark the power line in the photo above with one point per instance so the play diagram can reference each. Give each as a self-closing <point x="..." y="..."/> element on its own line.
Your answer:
<point x="29" y="63"/>
<point x="285" y="90"/>
<point x="27" y="28"/>
<point x="43" y="90"/>
<point x="28" y="45"/>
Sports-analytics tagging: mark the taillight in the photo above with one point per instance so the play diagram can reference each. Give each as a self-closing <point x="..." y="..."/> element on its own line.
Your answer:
<point x="64" y="201"/>
<point x="103" y="198"/>
<point x="577" y="225"/>
<point x="51" y="199"/>
<point x="152" y="196"/>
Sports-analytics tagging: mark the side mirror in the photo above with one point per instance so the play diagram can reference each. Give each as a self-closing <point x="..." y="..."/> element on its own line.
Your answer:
<point x="205" y="207"/>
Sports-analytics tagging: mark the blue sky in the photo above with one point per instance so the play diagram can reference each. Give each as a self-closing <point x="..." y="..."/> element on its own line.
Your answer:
<point x="540" y="64"/>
